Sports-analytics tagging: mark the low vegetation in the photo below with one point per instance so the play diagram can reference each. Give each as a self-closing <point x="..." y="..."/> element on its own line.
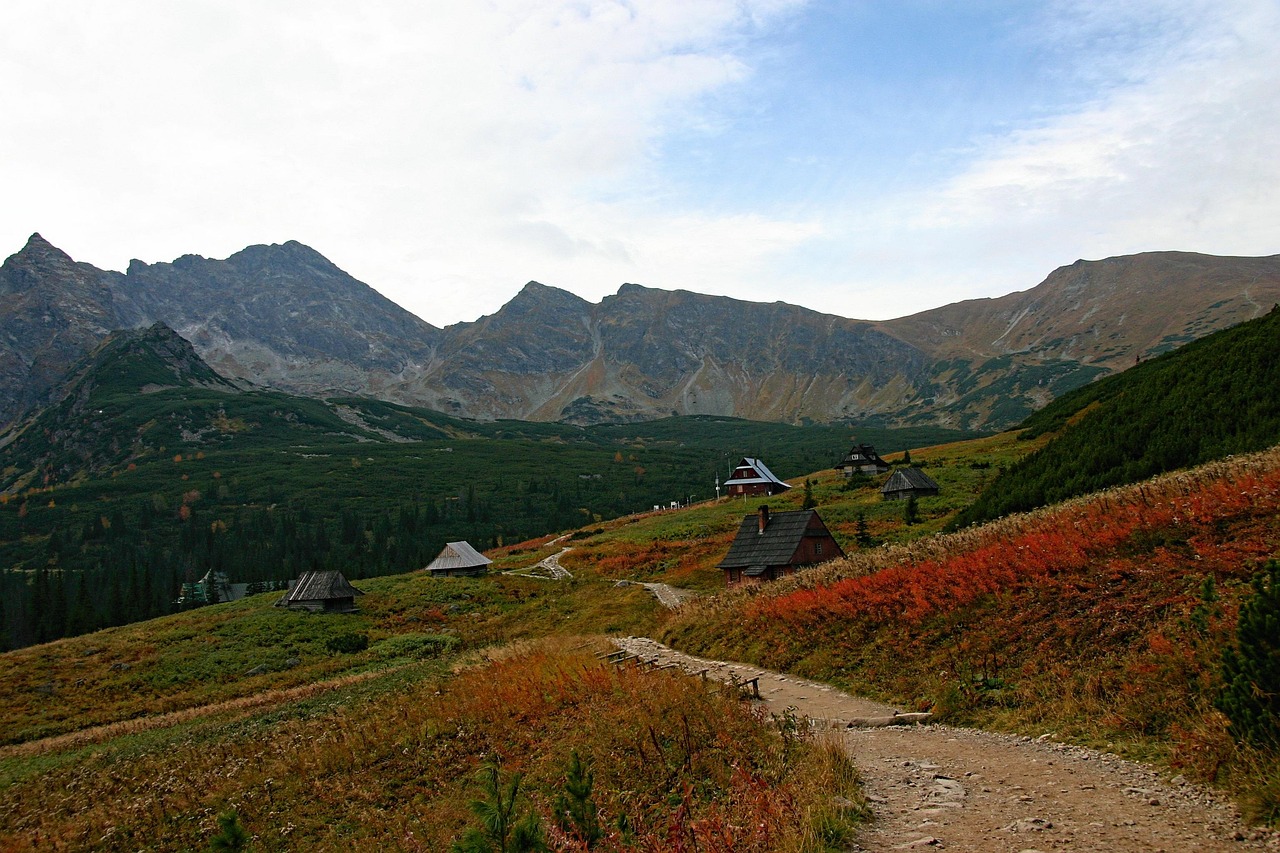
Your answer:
<point x="450" y="712"/>
<point x="1104" y="620"/>
<point x="676" y="764"/>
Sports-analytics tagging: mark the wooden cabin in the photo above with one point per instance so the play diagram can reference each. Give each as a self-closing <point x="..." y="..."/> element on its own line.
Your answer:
<point x="752" y="478"/>
<point x="862" y="459"/>
<point x="769" y="546"/>
<point x="329" y="592"/>
<point x="458" y="559"/>
<point x="908" y="482"/>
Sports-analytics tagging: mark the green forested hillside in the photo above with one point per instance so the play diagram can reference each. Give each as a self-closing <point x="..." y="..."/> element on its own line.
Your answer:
<point x="151" y="471"/>
<point x="1211" y="398"/>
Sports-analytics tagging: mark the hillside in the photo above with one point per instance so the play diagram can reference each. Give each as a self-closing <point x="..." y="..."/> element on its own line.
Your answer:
<point x="1211" y="398"/>
<point x="1094" y="620"/>
<point x="188" y="696"/>
<point x="152" y="470"/>
<point x="1102" y="620"/>
<point x="283" y="316"/>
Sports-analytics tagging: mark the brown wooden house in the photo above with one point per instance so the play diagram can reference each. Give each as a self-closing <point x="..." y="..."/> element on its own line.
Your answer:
<point x="770" y="546"/>
<point x="752" y="478"/>
<point x="862" y="459"/>
<point x="321" y="591"/>
<point x="908" y="482"/>
<point x="458" y="559"/>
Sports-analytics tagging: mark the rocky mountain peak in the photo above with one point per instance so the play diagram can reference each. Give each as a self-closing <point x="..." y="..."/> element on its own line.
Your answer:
<point x="34" y="264"/>
<point x="538" y="298"/>
<point x="283" y="315"/>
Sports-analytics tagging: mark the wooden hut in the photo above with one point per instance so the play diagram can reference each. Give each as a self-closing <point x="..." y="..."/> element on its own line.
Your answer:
<point x="321" y="591"/>
<point x="752" y="478"/>
<point x="862" y="459"/>
<point x="906" y="483"/>
<point x="770" y="546"/>
<point x="458" y="559"/>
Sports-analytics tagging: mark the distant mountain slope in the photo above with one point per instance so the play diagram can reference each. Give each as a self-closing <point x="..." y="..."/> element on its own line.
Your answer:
<point x="1213" y="397"/>
<point x="1084" y="320"/>
<point x="283" y="316"/>
<point x="1107" y="312"/>
<point x="646" y="353"/>
<point x="81" y="432"/>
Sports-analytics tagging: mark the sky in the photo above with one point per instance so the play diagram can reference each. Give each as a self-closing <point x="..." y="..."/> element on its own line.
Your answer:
<point x="866" y="158"/>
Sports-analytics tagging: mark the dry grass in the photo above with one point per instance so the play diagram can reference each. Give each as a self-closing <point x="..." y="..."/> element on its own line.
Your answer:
<point x="684" y="762"/>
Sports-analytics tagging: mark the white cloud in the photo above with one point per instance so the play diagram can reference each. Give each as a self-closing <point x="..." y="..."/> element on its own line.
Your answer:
<point x="443" y="152"/>
<point x="447" y="152"/>
<point x="1175" y="150"/>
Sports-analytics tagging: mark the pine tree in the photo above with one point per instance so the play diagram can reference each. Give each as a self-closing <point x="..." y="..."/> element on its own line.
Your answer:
<point x="911" y="512"/>
<point x="1251" y="671"/>
<point x="575" y="810"/>
<point x="501" y="830"/>
<point x="862" y="534"/>
<point x="231" y="835"/>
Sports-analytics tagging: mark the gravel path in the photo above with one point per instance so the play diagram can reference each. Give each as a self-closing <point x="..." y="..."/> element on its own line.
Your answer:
<point x="945" y="788"/>
<point x="668" y="596"/>
<point x="548" y="569"/>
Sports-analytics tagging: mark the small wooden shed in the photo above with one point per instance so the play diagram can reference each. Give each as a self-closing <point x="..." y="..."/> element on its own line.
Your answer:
<point x="458" y="559"/>
<point x="321" y="591"/>
<point x="752" y="478"/>
<point x="908" y="482"/>
<point x="770" y="546"/>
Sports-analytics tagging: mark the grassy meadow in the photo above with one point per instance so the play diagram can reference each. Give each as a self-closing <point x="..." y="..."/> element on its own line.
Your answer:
<point x="388" y="763"/>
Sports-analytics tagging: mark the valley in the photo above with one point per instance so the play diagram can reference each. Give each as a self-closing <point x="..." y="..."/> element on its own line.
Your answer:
<point x="1078" y="606"/>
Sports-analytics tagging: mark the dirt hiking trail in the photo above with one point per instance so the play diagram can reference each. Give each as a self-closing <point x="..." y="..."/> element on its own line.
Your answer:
<point x="934" y="787"/>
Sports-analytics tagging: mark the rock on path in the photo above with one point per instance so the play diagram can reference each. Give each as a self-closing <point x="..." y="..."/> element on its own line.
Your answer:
<point x="940" y="787"/>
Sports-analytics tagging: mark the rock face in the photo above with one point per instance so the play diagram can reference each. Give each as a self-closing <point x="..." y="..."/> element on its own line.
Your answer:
<point x="284" y="316"/>
<point x="52" y="312"/>
<point x="278" y="315"/>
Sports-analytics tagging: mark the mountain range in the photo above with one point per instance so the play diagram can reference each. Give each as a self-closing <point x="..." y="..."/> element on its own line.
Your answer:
<point x="283" y="316"/>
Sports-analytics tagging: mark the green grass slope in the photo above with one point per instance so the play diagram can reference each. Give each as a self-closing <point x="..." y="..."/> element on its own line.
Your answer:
<point x="1210" y="398"/>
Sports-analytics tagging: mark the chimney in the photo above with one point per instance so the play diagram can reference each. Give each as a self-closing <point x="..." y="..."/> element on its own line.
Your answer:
<point x="764" y="517"/>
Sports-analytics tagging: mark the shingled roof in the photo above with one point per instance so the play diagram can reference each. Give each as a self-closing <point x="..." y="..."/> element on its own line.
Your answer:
<point x="329" y="586"/>
<point x="458" y="555"/>
<point x="773" y="547"/>
<point x="907" y="480"/>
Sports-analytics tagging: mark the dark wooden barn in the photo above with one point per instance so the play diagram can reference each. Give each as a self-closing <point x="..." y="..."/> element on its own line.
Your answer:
<point x="752" y="478"/>
<point x="906" y="483"/>
<point x="458" y="559"/>
<point x="321" y="591"/>
<point x="862" y="459"/>
<point x="770" y="546"/>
